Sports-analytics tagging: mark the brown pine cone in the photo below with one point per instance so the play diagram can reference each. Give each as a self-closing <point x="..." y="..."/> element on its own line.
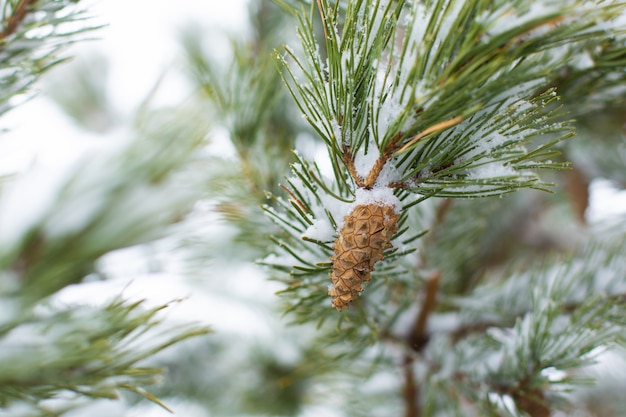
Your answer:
<point x="366" y="233"/>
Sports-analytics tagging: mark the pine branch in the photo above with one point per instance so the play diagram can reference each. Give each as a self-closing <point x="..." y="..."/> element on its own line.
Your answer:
<point x="468" y="329"/>
<point x="563" y="321"/>
<point x="595" y="82"/>
<point x="443" y="99"/>
<point x="596" y="272"/>
<point x="431" y="115"/>
<point x="411" y="389"/>
<point x="385" y="103"/>
<point x="603" y="161"/>
<point x="56" y="247"/>
<point x="82" y="92"/>
<point x="129" y="194"/>
<point x="27" y="51"/>
<point x="95" y="361"/>
<point x="11" y="22"/>
<point x="247" y="97"/>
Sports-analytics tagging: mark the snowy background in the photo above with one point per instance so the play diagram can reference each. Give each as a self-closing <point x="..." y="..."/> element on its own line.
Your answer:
<point x="141" y="43"/>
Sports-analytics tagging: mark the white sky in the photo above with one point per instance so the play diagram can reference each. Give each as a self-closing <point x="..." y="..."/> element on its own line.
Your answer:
<point x="140" y="41"/>
<point x="142" y="37"/>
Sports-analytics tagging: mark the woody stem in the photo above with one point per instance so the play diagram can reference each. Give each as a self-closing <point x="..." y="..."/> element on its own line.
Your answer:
<point x="419" y="335"/>
<point x="410" y="389"/>
<point x="387" y="153"/>
<point x="349" y="161"/>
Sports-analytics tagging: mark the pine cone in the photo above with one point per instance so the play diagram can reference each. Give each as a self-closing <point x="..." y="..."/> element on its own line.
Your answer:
<point x="365" y="234"/>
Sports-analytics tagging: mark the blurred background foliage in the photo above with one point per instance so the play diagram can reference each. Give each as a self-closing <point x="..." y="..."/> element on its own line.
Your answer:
<point x="245" y="127"/>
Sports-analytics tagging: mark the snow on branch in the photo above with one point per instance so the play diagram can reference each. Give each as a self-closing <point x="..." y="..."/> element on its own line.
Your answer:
<point x="392" y="83"/>
<point x="32" y="37"/>
<point x="108" y="199"/>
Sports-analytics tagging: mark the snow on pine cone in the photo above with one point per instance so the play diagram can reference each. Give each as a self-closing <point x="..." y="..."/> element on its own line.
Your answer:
<point x="365" y="234"/>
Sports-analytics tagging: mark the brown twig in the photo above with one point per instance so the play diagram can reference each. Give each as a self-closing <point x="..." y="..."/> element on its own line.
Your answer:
<point x="402" y="185"/>
<point x="479" y="327"/>
<point x="372" y="176"/>
<point x="519" y="39"/>
<point x="349" y="161"/>
<point x="375" y="171"/>
<point x="387" y="153"/>
<point x="434" y="128"/>
<point x="533" y="402"/>
<point x="577" y="187"/>
<point x="319" y="6"/>
<point x="294" y="198"/>
<point x="18" y="15"/>
<point x="390" y="150"/>
<point x="411" y="389"/>
<point x="416" y="341"/>
<point x="419" y="335"/>
<point x="442" y="210"/>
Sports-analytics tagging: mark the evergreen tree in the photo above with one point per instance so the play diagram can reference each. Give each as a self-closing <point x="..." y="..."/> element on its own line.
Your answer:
<point x="451" y="301"/>
<point x="57" y="224"/>
<point x="428" y="238"/>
